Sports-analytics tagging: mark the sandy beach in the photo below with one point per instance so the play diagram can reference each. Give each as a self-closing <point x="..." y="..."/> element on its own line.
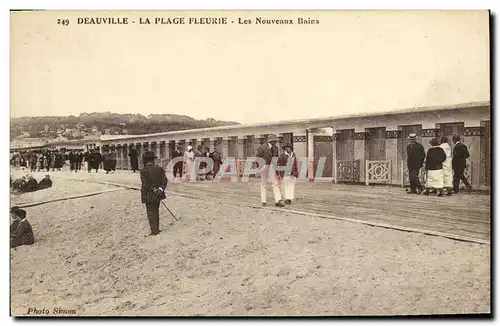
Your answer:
<point x="91" y="257"/>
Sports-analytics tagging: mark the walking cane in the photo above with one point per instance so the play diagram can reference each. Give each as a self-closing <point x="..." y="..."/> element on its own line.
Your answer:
<point x="175" y="218"/>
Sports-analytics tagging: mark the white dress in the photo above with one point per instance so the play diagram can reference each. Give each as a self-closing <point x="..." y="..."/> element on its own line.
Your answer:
<point x="447" y="170"/>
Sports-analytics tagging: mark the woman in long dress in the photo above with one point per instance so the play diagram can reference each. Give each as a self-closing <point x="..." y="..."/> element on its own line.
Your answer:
<point x="447" y="170"/>
<point x="434" y="167"/>
<point x="189" y="159"/>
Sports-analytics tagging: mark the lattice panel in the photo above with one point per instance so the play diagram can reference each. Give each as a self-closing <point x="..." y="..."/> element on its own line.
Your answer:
<point x="323" y="139"/>
<point x="392" y="134"/>
<point x="360" y="135"/>
<point x="473" y="131"/>
<point x="299" y="139"/>
<point x="378" y="172"/>
<point x="429" y="132"/>
<point x="348" y="171"/>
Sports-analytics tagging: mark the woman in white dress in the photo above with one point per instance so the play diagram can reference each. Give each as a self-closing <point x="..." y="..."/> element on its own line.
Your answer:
<point x="434" y="167"/>
<point x="447" y="170"/>
<point x="189" y="159"/>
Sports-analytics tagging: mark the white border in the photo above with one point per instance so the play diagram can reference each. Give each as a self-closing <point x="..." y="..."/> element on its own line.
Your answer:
<point x="186" y="4"/>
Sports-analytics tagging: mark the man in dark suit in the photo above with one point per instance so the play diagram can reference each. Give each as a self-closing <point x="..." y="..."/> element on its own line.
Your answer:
<point x="458" y="164"/>
<point x="21" y="232"/>
<point x="416" y="157"/>
<point x="153" y="185"/>
<point x="267" y="151"/>
<point x="134" y="162"/>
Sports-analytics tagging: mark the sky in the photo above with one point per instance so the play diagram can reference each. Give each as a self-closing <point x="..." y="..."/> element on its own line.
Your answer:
<point x="351" y="62"/>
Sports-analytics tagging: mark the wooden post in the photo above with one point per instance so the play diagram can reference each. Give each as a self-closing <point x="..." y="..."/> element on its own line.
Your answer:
<point x="335" y="179"/>
<point x="390" y="171"/>
<point x="402" y="174"/>
<point x="366" y="172"/>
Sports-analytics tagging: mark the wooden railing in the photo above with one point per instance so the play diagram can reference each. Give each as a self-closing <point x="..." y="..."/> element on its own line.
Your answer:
<point x="378" y="172"/>
<point x="347" y="171"/>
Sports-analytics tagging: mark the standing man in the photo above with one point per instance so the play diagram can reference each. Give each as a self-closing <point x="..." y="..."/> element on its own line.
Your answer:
<point x="106" y="161"/>
<point x="153" y="185"/>
<point x="112" y="158"/>
<point x="288" y="179"/>
<point x="177" y="165"/>
<point x="134" y="162"/>
<point x="96" y="160"/>
<point x="416" y="157"/>
<point x="88" y="159"/>
<point x="267" y="151"/>
<point x="458" y="163"/>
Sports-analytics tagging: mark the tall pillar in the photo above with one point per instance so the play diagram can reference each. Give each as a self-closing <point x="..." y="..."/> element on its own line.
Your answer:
<point x="310" y="154"/>
<point x="391" y="153"/>
<point x="225" y="147"/>
<point x="360" y="152"/>
<point x="334" y="154"/>
<point x="240" y="148"/>
<point x="299" y="142"/>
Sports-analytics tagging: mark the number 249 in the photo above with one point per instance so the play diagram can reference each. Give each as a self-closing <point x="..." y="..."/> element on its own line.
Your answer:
<point x="64" y="22"/>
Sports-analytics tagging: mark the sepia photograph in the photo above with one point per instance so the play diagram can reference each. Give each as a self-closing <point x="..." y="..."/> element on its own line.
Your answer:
<point x="250" y="163"/>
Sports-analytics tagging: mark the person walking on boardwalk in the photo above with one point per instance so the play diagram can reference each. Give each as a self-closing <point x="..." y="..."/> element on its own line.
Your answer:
<point x="96" y="160"/>
<point x="434" y="167"/>
<point x="153" y="185"/>
<point x="88" y="159"/>
<point x="106" y="162"/>
<point x="112" y="158"/>
<point x="178" y="165"/>
<point x="447" y="171"/>
<point x="288" y="178"/>
<point x="189" y="159"/>
<point x="134" y="161"/>
<point x="459" y="163"/>
<point x="415" y="161"/>
<point x="267" y="151"/>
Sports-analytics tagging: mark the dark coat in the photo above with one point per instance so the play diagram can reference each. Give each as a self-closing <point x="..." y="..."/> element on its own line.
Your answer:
<point x="21" y="233"/>
<point x="283" y="160"/>
<point x="460" y="155"/>
<point x="152" y="177"/>
<point x="416" y="156"/>
<point x="96" y="159"/>
<point x="134" y="162"/>
<point x="44" y="184"/>
<point x="435" y="158"/>
<point x="267" y="153"/>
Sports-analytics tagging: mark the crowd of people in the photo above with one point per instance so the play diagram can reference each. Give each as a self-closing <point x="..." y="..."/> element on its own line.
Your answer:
<point x="444" y="168"/>
<point x="190" y="155"/>
<point x="29" y="184"/>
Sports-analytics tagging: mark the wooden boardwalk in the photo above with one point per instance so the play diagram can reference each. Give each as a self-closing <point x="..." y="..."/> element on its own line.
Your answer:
<point x="462" y="216"/>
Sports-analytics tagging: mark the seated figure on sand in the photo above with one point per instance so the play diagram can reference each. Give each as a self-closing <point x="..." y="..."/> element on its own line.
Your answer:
<point x="45" y="183"/>
<point x="21" y="233"/>
<point x="30" y="185"/>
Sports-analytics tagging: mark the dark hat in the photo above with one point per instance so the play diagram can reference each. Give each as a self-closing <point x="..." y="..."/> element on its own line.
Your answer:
<point x="272" y="137"/>
<point x="149" y="155"/>
<point x="287" y="145"/>
<point x="19" y="212"/>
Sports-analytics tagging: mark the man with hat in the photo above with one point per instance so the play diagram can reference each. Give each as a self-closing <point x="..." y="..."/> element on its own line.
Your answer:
<point x="267" y="151"/>
<point x="153" y="185"/>
<point x="288" y="177"/>
<point x="134" y="162"/>
<point x="21" y="232"/>
<point x="415" y="161"/>
<point x="459" y="163"/>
